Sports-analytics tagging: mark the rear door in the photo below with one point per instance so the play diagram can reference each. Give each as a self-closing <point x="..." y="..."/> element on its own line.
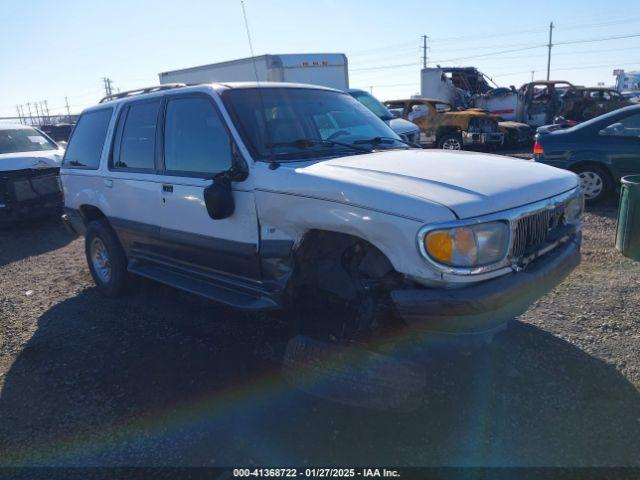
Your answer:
<point x="132" y="186"/>
<point x="196" y="146"/>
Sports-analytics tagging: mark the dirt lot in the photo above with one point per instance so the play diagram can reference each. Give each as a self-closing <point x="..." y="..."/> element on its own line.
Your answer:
<point x="163" y="378"/>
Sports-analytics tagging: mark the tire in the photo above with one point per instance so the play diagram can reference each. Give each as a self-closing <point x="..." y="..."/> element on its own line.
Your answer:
<point x="336" y="297"/>
<point x="106" y="259"/>
<point x="595" y="181"/>
<point x="450" y="142"/>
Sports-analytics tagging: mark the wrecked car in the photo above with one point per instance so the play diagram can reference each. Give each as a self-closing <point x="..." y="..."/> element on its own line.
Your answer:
<point x="274" y="195"/>
<point x="581" y="103"/>
<point x="515" y="133"/>
<point x="29" y="166"/>
<point x="536" y="103"/>
<point x="444" y="128"/>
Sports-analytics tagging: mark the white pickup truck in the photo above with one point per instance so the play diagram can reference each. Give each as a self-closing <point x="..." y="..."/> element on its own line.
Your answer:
<point x="264" y="195"/>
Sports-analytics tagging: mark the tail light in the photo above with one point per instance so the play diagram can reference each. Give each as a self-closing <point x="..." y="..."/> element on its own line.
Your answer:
<point x="537" y="148"/>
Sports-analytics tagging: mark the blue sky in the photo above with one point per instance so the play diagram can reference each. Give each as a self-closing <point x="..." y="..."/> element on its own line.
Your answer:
<point x="53" y="49"/>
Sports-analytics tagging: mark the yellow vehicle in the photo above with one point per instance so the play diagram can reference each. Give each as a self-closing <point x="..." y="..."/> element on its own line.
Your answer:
<point x="442" y="127"/>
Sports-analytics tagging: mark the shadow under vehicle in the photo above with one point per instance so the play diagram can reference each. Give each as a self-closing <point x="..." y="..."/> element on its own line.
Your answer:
<point x="164" y="380"/>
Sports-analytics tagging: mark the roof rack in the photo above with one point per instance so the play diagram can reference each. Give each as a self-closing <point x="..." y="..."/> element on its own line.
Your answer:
<point x="140" y="91"/>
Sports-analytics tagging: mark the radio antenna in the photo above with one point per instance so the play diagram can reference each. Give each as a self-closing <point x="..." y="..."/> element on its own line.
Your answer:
<point x="273" y="164"/>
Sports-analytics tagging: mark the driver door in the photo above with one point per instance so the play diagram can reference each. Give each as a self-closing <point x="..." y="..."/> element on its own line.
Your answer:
<point x="196" y="145"/>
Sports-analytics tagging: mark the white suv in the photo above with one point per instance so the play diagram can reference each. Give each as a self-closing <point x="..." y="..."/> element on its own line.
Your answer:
<point x="257" y="195"/>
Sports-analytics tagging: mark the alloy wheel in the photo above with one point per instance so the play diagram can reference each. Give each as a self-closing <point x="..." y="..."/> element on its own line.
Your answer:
<point x="451" y="144"/>
<point x="592" y="184"/>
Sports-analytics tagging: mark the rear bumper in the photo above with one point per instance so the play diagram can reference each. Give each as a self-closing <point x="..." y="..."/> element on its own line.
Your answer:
<point x="482" y="138"/>
<point x="488" y="305"/>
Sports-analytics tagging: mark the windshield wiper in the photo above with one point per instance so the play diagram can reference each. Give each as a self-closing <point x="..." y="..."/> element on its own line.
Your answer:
<point x="309" y="142"/>
<point x="384" y="140"/>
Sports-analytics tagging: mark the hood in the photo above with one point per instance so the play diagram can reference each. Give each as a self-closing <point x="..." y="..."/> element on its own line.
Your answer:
<point x="512" y="124"/>
<point x="28" y="160"/>
<point x="400" y="126"/>
<point x="411" y="183"/>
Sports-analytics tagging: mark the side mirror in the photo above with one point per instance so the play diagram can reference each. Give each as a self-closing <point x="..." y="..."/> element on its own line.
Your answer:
<point x="218" y="197"/>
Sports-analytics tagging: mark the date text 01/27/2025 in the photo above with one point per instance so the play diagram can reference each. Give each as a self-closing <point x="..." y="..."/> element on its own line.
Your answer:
<point x="315" y="473"/>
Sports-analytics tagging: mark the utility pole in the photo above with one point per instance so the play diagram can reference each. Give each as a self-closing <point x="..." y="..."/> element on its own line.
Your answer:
<point x="424" y="51"/>
<point x="108" y="89"/>
<point x="46" y="106"/>
<point x="35" y="104"/>
<point x="549" y="54"/>
<point x="66" y="104"/>
<point x="533" y="72"/>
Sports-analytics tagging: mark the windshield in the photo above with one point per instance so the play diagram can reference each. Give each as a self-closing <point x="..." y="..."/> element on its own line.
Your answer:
<point x="373" y="104"/>
<point x="24" y="140"/>
<point x="300" y="123"/>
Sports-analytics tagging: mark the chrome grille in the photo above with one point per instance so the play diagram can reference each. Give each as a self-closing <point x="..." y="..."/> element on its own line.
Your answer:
<point x="530" y="232"/>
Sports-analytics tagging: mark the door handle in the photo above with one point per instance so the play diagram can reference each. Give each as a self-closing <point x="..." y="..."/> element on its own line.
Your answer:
<point x="167" y="188"/>
<point x="108" y="183"/>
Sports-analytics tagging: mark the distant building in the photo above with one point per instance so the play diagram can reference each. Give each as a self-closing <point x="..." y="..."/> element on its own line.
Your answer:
<point x="627" y="80"/>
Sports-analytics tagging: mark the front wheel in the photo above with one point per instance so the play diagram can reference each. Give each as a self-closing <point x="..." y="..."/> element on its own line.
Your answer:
<point x="450" y="142"/>
<point x="595" y="183"/>
<point x="106" y="259"/>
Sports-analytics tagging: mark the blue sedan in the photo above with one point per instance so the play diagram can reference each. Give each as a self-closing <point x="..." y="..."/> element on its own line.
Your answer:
<point x="600" y="151"/>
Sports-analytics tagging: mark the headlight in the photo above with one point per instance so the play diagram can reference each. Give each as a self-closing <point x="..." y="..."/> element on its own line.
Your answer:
<point x="468" y="246"/>
<point x="574" y="209"/>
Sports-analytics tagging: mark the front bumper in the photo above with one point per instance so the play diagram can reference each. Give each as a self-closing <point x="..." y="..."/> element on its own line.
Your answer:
<point x="14" y="212"/>
<point x="495" y="138"/>
<point x="488" y="305"/>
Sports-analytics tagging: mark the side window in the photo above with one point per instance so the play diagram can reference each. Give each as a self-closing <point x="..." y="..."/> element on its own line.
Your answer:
<point x="418" y="110"/>
<point x="85" y="147"/>
<point x="626" y="127"/>
<point x="137" y="146"/>
<point x="195" y="137"/>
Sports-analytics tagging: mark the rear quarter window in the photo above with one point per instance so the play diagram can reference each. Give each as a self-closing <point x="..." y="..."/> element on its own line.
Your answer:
<point x="85" y="146"/>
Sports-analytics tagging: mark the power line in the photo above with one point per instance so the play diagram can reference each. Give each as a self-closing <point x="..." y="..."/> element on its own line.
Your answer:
<point x="490" y="54"/>
<point x="385" y="67"/>
<point x="386" y="47"/>
<point x="570" y="42"/>
<point x="495" y="35"/>
<point x="601" y="39"/>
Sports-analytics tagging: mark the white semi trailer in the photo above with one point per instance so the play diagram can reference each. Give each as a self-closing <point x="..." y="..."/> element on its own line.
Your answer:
<point x="325" y="69"/>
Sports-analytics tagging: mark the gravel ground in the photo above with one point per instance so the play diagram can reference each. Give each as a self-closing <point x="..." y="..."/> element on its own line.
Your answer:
<point x="160" y="377"/>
